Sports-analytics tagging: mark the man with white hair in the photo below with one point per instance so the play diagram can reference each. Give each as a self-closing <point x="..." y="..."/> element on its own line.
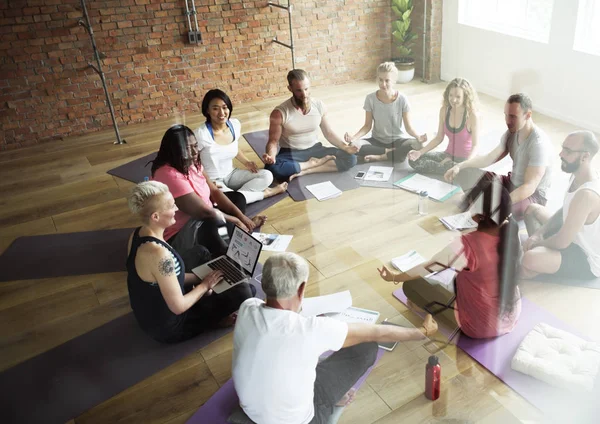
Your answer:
<point x="276" y="369"/>
<point x="567" y="243"/>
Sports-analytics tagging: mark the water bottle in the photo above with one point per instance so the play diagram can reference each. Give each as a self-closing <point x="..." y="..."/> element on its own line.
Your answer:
<point x="146" y="178"/>
<point x="433" y="378"/>
<point x="422" y="205"/>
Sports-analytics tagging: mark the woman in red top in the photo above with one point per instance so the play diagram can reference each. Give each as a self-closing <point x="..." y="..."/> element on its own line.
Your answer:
<point x="488" y="302"/>
<point x="202" y="207"/>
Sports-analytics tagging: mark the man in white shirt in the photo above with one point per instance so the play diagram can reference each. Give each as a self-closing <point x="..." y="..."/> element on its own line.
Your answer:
<point x="294" y="126"/>
<point x="276" y="369"/>
<point x="529" y="149"/>
<point x="567" y="243"/>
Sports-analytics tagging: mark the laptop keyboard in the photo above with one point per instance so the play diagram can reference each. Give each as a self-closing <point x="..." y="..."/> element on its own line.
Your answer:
<point x="231" y="274"/>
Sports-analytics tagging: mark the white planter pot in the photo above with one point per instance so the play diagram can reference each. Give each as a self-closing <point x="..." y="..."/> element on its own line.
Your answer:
<point x="405" y="76"/>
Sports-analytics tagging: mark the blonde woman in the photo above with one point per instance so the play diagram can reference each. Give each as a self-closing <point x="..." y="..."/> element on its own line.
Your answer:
<point x="169" y="304"/>
<point x="459" y="122"/>
<point x="387" y="113"/>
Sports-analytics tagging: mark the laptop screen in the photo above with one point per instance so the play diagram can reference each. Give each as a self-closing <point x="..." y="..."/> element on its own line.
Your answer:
<point x="244" y="250"/>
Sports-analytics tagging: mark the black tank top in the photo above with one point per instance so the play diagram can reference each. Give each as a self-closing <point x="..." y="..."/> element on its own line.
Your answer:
<point x="147" y="302"/>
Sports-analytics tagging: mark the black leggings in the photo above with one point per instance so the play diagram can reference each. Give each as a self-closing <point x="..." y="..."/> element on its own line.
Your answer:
<point x="398" y="155"/>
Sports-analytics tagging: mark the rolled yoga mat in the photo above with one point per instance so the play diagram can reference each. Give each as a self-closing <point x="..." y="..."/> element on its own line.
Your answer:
<point x="496" y="354"/>
<point x="61" y="255"/>
<point x="220" y="406"/>
<point x="72" y="378"/>
<point x="297" y="188"/>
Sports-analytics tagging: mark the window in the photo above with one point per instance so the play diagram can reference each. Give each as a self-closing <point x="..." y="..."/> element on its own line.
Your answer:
<point x="528" y="19"/>
<point x="587" y="31"/>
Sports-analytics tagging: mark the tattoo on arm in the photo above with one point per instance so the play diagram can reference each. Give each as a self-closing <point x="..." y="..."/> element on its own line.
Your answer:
<point x="166" y="266"/>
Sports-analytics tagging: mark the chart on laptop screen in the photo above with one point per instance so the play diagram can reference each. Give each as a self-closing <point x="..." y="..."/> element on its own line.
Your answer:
<point x="244" y="249"/>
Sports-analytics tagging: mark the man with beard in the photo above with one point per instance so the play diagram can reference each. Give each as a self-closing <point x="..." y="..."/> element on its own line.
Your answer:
<point x="568" y="243"/>
<point x="294" y="126"/>
<point x="528" y="147"/>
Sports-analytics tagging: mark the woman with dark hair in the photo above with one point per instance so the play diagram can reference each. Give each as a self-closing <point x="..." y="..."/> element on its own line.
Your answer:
<point x="197" y="221"/>
<point x="218" y="144"/>
<point x="488" y="301"/>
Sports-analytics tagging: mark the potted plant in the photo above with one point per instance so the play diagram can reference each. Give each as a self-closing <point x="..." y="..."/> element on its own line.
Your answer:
<point x="403" y="39"/>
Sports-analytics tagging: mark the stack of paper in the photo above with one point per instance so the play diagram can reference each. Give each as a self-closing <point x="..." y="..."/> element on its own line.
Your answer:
<point x="461" y="221"/>
<point x="324" y="191"/>
<point x="318" y="305"/>
<point x="437" y="190"/>
<point x="379" y="173"/>
<point x="353" y="314"/>
<point x="444" y="278"/>
<point x="273" y="242"/>
<point x="410" y="260"/>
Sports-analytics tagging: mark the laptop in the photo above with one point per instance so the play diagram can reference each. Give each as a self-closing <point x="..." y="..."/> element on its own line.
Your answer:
<point x="237" y="264"/>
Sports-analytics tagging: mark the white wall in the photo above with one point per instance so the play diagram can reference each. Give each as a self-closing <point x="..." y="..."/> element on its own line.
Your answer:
<point x="562" y="83"/>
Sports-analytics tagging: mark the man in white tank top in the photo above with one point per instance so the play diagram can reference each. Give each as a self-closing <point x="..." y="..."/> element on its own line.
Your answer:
<point x="568" y="243"/>
<point x="294" y="126"/>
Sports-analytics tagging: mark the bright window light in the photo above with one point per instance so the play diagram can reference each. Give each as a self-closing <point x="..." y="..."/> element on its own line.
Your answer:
<point x="587" y="31"/>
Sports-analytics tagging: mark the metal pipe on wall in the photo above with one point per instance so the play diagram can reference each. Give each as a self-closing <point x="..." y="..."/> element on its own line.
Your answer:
<point x="424" y="37"/>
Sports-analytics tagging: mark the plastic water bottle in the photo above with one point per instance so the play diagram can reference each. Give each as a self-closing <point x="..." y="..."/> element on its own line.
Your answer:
<point x="433" y="378"/>
<point x="146" y="178"/>
<point x="422" y="205"/>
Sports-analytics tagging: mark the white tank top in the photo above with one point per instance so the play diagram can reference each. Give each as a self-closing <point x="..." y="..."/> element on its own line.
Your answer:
<point x="300" y="131"/>
<point x="588" y="238"/>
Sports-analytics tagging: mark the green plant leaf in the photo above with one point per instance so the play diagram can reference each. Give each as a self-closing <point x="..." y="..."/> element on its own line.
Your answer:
<point x="397" y="12"/>
<point x="406" y="14"/>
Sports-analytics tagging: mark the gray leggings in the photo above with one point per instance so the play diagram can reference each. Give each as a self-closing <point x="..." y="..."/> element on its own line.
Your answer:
<point x="431" y="163"/>
<point x="250" y="184"/>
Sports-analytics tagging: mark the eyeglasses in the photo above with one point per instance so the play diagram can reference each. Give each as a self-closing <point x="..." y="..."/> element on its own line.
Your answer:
<point x="569" y="151"/>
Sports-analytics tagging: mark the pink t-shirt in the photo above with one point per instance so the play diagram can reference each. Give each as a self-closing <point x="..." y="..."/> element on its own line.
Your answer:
<point x="180" y="185"/>
<point x="477" y="290"/>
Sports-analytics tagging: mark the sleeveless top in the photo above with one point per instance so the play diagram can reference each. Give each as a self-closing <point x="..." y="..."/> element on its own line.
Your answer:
<point x="460" y="142"/>
<point x="148" y="304"/>
<point x="478" y="289"/>
<point x="588" y="238"/>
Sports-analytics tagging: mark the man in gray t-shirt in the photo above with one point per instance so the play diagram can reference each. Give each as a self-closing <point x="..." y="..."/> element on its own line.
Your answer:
<point x="528" y="147"/>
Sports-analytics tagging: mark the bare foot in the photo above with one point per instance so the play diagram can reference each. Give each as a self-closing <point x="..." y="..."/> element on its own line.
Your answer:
<point x="314" y="162"/>
<point x="299" y="174"/>
<point x="272" y="191"/>
<point x="375" y="158"/>
<point x="259" y="220"/>
<point x="347" y="398"/>
<point x="228" y="321"/>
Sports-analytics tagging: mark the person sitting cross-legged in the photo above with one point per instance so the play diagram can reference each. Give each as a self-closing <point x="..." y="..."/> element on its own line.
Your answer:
<point x="276" y="370"/>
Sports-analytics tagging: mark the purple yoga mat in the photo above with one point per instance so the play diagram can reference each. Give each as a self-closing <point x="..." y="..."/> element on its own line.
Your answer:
<point x="66" y="381"/>
<point x="496" y="354"/>
<point x="136" y="170"/>
<point x="220" y="406"/>
<point x="60" y="255"/>
<point x="297" y="188"/>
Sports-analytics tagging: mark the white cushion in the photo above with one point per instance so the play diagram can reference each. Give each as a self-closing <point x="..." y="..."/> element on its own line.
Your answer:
<point x="558" y="358"/>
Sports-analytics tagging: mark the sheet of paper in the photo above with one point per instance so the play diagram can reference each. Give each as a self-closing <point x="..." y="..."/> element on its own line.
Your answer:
<point x="336" y="302"/>
<point x="444" y="278"/>
<point x="379" y="173"/>
<point x="353" y="314"/>
<point x="407" y="261"/>
<point x="323" y="191"/>
<point x="461" y="221"/>
<point x="273" y="242"/>
<point x="436" y="189"/>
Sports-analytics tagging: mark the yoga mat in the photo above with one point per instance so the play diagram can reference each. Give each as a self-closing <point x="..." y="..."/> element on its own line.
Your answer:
<point x="134" y="171"/>
<point x="218" y="408"/>
<point x="297" y="188"/>
<point x="60" y="255"/>
<point x="66" y="381"/>
<point x="496" y="354"/>
<point x="255" y="208"/>
<point x="569" y="281"/>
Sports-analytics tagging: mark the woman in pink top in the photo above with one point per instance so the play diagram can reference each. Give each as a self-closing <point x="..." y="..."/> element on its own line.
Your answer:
<point x="197" y="220"/>
<point x="459" y="122"/>
<point x="488" y="302"/>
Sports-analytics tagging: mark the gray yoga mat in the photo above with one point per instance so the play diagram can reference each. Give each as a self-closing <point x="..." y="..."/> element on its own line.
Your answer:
<point x="136" y="170"/>
<point x="297" y="188"/>
<point x="66" y="381"/>
<point x="60" y="255"/>
<point x="569" y="281"/>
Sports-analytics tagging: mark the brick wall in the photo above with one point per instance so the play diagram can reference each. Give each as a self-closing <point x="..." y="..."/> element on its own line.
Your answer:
<point x="433" y="39"/>
<point x="48" y="92"/>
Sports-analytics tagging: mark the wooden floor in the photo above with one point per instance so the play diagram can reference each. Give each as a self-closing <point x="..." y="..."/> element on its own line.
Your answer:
<point x="63" y="187"/>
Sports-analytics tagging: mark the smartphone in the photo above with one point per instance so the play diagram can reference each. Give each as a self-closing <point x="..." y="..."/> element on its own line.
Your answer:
<point x="389" y="346"/>
<point x="360" y="175"/>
